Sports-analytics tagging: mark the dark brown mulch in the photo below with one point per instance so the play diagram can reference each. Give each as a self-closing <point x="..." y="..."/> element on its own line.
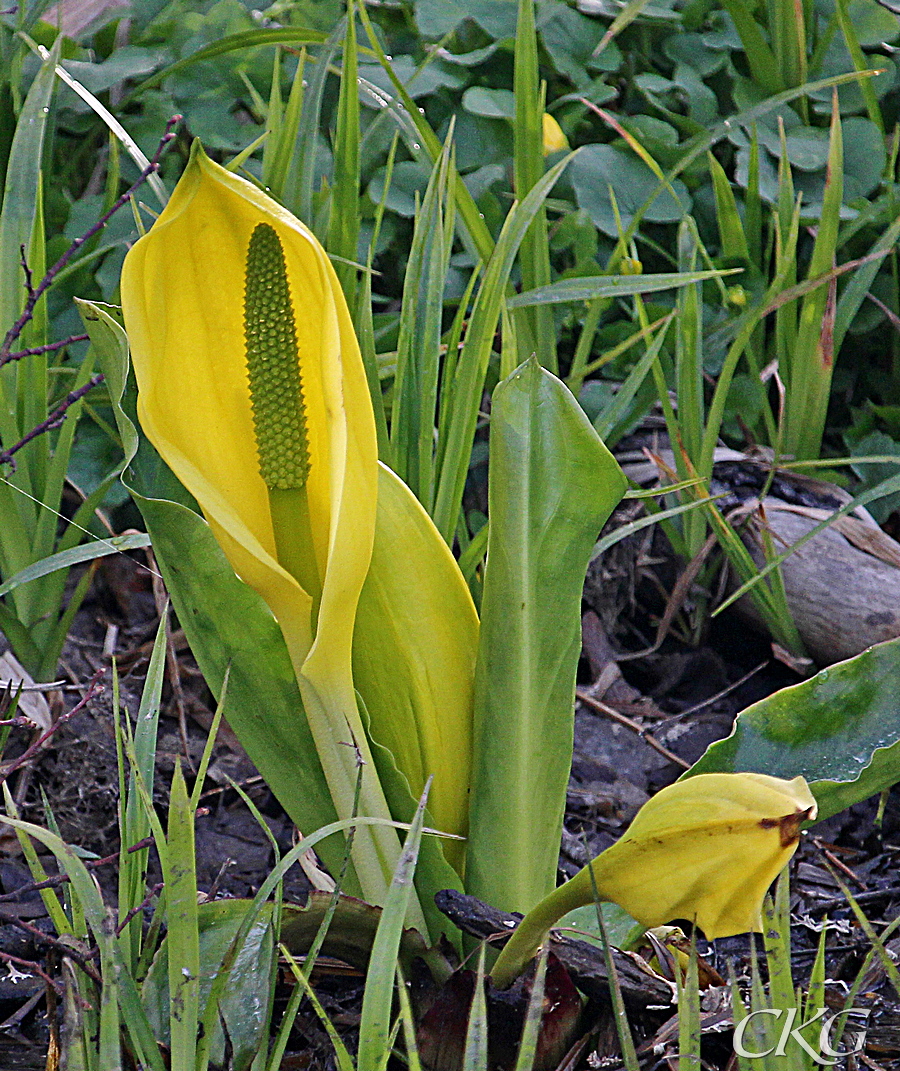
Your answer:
<point x="638" y="723"/>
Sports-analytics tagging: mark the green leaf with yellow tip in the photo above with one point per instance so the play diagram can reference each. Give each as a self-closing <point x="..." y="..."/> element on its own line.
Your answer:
<point x="705" y="849"/>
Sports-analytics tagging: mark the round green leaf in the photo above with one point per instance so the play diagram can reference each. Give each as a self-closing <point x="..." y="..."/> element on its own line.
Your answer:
<point x="599" y="168"/>
<point x="864" y="157"/>
<point x="491" y="103"/>
<point x="873" y="24"/>
<point x="408" y="179"/>
<point x="694" y="49"/>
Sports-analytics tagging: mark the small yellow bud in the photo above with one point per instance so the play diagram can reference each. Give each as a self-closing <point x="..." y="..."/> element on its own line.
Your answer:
<point x="554" y="139"/>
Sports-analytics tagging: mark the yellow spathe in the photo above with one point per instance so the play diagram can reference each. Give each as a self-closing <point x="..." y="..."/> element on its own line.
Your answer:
<point x="705" y="849"/>
<point x="396" y="619"/>
<point x="182" y="299"/>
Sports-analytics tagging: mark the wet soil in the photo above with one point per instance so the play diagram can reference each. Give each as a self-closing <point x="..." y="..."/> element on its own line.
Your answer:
<point x="640" y="720"/>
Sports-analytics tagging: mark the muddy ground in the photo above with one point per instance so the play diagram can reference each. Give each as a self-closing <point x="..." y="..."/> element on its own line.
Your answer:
<point x="639" y="722"/>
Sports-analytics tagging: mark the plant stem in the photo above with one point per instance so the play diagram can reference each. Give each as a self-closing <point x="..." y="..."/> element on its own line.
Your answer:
<point x="294" y="542"/>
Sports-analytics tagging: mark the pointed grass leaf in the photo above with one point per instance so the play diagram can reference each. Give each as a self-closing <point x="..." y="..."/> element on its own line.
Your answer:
<point x="528" y="164"/>
<point x="232" y="43"/>
<point x="343" y="227"/>
<point x="99" y="548"/>
<point x="607" y="286"/>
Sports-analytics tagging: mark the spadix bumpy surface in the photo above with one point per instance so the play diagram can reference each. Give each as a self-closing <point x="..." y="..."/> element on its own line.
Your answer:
<point x="273" y="365"/>
<point x="183" y="298"/>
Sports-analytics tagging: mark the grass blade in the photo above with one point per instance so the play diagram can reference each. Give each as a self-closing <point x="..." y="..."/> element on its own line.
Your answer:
<point x="133" y="822"/>
<point x="536" y="327"/>
<point x="532" y="1026"/>
<point x="232" y="43"/>
<point x="375" y="1023"/>
<point x="806" y="400"/>
<point x="475" y="1055"/>
<point x="610" y="286"/>
<point x="100" y="548"/>
<point x="414" y="408"/>
<point x="476" y="351"/>
<point x="179" y="873"/>
<point x="343" y="227"/>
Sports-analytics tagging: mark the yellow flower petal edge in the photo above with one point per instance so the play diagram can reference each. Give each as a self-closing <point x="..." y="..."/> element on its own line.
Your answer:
<point x="414" y="657"/>
<point x="183" y="301"/>
<point x="705" y="849"/>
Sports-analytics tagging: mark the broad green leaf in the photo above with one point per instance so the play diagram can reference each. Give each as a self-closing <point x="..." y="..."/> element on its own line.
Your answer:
<point x="490" y="103"/>
<point x="840" y="730"/>
<point x="437" y="17"/>
<point x="552" y="485"/>
<point x="242" y="1008"/>
<point x="408" y="182"/>
<point x="351" y="933"/>
<point x="864" y="157"/>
